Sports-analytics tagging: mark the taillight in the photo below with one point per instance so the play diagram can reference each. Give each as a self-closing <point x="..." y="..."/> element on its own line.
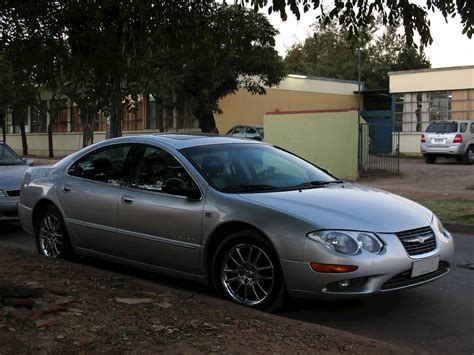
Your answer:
<point x="457" y="139"/>
<point x="423" y="139"/>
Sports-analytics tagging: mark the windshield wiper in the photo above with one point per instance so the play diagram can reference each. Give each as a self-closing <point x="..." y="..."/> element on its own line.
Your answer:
<point x="249" y="188"/>
<point x="316" y="183"/>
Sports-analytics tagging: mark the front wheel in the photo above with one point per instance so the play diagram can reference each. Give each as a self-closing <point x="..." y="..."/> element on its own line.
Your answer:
<point x="52" y="239"/>
<point x="246" y="270"/>
<point x="429" y="158"/>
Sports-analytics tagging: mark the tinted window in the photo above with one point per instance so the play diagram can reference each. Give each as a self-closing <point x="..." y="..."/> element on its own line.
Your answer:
<point x="104" y="165"/>
<point x="250" y="167"/>
<point x="157" y="170"/>
<point x="251" y="133"/>
<point x="260" y="130"/>
<point x="472" y="127"/>
<point x="463" y="127"/>
<point x="239" y="132"/>
<point x="8" y="156"/>
<point x="442" y="127"/>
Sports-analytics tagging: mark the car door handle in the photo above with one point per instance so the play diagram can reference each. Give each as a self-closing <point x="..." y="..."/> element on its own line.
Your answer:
<point x="127" y="200"/>
<point x="66" y="188"/>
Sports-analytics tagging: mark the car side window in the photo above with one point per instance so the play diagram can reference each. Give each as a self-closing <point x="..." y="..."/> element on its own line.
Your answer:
<point x="472" y="127"/>
<point x="159" y="171"/>
<point x="463" y="127"/>
<point x="104" y="165"/>
<point x="251" y="133"/>
<point x="239" y="132"/>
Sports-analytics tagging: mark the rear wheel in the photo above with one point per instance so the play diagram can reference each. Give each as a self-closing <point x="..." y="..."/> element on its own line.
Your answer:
<point x="246" y="270"/>
<point x="429" y="158"/>
<point x="52" y="239"/>
<point x="468" y="158"/>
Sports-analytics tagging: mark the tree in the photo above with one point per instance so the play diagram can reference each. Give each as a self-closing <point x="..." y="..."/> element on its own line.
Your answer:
<point x="329" y="53"/>
<point x="16" y="93"/>
<point x="357" y="15"/>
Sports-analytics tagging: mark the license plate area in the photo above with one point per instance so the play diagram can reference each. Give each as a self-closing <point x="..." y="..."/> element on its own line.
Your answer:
<point x="438" y="140"/>
<point x="425" y="266"/>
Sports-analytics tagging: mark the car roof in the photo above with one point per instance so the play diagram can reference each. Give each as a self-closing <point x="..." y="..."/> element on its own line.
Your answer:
<point x="181" y="141"/>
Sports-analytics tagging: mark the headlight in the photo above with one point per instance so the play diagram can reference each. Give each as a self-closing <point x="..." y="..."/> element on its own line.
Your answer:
<point x="347" y="242"/>
<point x="439" y="226"/>
<point x="2" y="193"/>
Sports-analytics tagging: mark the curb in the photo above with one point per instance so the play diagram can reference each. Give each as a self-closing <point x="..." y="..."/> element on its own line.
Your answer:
<point x="459" y="228"/>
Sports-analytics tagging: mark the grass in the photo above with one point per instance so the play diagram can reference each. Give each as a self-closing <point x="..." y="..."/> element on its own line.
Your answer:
<point x="452" y="211"/>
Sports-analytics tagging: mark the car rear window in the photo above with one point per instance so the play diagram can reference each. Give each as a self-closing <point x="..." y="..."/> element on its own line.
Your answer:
<point x="442" y="127"/>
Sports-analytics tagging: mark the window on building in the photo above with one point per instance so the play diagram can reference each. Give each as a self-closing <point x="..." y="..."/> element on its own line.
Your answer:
<point x="414" y="111"/>
<point x="39" y="118"/>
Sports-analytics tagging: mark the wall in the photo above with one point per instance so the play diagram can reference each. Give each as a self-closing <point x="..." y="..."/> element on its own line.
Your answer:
<point x="409" y="142"/>
<point x="291" y="95"/>
<point x="327" y="139"/>
<point x="455" y="78"/>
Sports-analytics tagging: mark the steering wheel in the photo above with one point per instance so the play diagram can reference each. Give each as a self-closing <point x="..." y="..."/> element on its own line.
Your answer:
<point x="266" y="173"/>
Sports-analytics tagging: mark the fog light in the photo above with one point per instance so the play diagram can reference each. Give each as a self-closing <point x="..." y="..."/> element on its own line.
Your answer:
<point x="344" y="284"/>
<point x="330" y="268"/>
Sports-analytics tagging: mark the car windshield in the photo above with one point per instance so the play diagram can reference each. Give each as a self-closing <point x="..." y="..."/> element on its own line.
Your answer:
<point x="255" y="168"/>
<point x="442" y="127"/>
<point x="9" y="157"/>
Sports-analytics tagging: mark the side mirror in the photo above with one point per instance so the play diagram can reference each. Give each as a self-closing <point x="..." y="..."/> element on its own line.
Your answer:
<point x="29" y="161"/>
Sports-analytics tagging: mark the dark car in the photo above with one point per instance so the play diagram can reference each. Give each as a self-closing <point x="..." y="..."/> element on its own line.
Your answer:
<point x="12" y="171"/>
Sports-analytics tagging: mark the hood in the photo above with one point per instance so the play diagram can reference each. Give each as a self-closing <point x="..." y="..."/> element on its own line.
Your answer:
<point x="11" y="177"/>
<point x="349" y="207"/>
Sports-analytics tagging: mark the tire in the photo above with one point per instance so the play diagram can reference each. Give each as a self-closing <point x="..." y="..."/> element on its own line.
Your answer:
<point x="243" y="252"/>
<point x="52" y="240"/>
<point x="468" y="158"/>
<point x="429" y="158"/>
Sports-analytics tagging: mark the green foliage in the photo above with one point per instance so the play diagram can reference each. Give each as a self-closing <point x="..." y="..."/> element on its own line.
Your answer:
<point x="329" y="53"/>
<point x="357" y="15"/>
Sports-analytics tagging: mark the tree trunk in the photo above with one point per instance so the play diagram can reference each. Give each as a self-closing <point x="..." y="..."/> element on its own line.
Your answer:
<point x="159" y="113"/>
<point x="207" y="124"/>
<point x="50" y="140"/>
<point x="24" y="142"/>
<point x="3" y="126"/>
<point x="115" y="126"/>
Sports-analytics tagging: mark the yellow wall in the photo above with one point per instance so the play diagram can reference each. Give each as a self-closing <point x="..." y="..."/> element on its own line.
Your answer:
<point x="245" y="108"/>
<point x="327" y="139"/>
<point x="432" y="79"/>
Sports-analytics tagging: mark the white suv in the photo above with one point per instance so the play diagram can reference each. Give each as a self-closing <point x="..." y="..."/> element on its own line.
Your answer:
<point x="448" y="139"/>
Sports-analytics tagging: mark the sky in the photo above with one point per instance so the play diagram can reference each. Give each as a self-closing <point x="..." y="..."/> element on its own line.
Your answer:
<point x="450" y="47"/>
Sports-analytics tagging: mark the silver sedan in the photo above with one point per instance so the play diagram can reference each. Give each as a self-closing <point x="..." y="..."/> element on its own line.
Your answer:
<point x="254" y="221"/>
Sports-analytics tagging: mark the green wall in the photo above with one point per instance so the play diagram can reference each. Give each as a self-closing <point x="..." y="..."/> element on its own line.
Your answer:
<point x="327" y="139"/>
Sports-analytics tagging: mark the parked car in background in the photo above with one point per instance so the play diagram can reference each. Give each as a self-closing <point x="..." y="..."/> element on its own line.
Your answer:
<point x="448" y="139"/>
<point x="12" y="171"/>
<point x="251" y="132"/>
<point x="253" y="220"/>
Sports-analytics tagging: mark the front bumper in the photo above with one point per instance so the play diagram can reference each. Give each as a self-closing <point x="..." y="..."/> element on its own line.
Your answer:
<point x="390" y="270"/>
<point x="9" y="209"/>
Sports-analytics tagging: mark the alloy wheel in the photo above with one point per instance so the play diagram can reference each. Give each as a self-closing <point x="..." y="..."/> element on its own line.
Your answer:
<point x="51" y="237"/>
<point x="247" y="274"/>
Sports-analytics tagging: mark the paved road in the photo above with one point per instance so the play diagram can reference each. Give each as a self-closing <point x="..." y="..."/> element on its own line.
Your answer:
<point x="438" y="318"/>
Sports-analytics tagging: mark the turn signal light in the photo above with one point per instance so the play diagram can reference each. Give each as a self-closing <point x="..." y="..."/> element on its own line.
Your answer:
<point x="423" y="139"/>
<point x="457" y="139"/>
<point x="330" y="268"/>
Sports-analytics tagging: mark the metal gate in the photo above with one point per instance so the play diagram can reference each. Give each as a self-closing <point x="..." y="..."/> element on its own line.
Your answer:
<point x="379" y="144"/>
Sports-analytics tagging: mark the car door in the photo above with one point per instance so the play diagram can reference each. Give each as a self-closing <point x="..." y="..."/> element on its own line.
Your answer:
<point x="89" y="194"/>
<point x="158" y="223"/>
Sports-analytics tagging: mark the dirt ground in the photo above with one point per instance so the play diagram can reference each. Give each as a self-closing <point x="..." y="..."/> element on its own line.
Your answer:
<point x="59" y="306"/>
<point x="446" y="179"/>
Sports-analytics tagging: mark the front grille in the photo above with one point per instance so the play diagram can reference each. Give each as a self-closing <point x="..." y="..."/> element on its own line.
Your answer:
<point x="418" y="241"/>
<point x="13" y="193"/>
<point x="404" y="279"/>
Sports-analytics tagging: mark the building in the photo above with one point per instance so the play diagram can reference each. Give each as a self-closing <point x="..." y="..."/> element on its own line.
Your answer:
<point x="295" y="93"/>
<point x="423" y="96"/>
